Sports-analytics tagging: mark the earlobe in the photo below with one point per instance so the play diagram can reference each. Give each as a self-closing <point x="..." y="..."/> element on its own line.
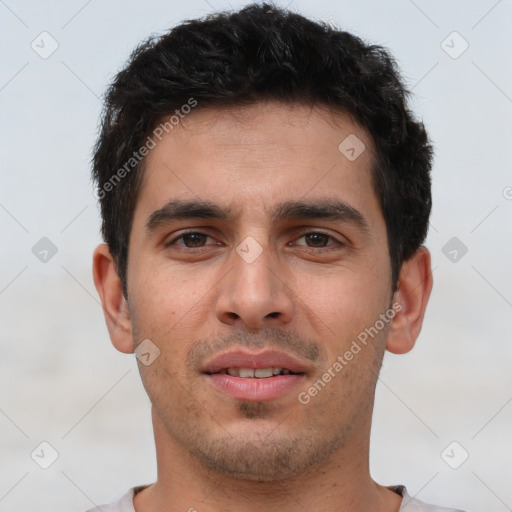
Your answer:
<point x="410" y="302"/>
<point x="115" y="307"/>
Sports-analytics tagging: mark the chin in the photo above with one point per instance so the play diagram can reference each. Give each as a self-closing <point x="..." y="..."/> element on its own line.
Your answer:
<point x="260" y="455"/>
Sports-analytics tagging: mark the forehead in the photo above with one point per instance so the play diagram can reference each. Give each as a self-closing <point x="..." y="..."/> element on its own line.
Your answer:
<point x="249" y="158"/>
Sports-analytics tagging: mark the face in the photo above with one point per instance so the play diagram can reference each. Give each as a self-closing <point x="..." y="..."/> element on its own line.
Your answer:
<point x="257" y="244"/>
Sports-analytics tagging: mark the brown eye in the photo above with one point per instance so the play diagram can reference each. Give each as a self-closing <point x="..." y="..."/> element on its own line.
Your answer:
<point x="194" y="239"/>
<point x="190" y="240"/>
<point x="317" y="239"/>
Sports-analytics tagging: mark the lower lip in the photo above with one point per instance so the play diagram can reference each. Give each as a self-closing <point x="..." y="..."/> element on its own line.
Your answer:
<point x="255" y="389"/>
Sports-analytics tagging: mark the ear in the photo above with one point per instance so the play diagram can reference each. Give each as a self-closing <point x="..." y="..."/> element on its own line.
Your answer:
<point x="410" y="302"/>
<point x="115" y="307"/>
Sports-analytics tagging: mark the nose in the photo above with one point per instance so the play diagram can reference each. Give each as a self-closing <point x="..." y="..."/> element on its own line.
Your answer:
<point x="252" y="294"/>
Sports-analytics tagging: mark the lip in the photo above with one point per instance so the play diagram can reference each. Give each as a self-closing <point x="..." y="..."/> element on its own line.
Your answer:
<point x="254" y="388"/>
<point x="259" y="390"/>
<point x="243" y="359"/>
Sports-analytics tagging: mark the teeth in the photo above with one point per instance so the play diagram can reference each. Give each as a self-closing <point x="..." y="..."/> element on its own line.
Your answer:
<point x="250" y="373"/>
<point x="262" y="373"/>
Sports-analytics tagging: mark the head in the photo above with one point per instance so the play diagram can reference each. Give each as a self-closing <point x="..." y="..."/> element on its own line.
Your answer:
<point x="243" y="130"/>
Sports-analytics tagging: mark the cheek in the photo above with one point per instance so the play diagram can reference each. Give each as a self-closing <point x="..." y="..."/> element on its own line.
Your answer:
<point x="163" y="295"/>
<point x="170" y="307"/>
<point x="343" y="302"/>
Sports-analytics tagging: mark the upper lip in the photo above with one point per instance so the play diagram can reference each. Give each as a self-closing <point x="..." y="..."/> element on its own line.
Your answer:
<point x="263" y="359"/>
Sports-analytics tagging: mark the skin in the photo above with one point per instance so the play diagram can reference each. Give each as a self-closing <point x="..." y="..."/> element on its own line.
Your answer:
<point x="308" y="296"/>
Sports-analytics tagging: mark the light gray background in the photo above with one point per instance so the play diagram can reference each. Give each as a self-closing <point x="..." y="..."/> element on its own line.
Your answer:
<point x="61" y="380"/>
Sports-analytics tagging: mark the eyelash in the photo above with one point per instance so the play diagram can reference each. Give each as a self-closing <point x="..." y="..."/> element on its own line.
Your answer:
<point x="201" y="249"/>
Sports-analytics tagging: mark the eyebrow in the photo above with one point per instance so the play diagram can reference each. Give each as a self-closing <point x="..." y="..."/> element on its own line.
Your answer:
<point x="326" y="209"/>
<point x="178" y="209"/>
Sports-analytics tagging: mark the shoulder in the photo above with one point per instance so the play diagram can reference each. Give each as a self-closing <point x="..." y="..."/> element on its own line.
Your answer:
<point x="123" y="504"/>
<point x="410" y="504"/>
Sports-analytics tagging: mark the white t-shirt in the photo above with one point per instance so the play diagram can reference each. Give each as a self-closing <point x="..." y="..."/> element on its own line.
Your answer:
<point x="125" y="503"/>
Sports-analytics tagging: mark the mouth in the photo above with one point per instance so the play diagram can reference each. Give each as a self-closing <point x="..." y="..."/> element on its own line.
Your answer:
<point x="261" y="376"/>
<point x="255" y="373"/>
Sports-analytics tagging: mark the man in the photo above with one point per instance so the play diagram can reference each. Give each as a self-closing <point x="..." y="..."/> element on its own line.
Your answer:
<point x="265" y="194"/>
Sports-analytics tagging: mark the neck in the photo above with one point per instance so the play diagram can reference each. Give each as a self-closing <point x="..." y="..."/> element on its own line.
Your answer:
<point x="342" y="483"/>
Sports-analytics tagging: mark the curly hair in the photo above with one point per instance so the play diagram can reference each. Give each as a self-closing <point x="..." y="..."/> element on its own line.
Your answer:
<point x="260" y="53"/>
